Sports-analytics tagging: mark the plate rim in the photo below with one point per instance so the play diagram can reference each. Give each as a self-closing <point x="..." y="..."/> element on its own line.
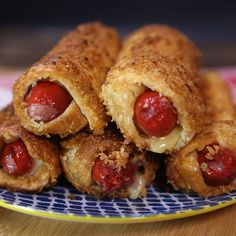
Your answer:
<point x="112" y="219"/>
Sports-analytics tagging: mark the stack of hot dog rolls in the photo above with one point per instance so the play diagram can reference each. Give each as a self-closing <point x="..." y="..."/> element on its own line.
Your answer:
<point x="59" y="95"/>
<point x="207" y="165"/>
<point x="152" y="91"/>
<point x="29" y="163"/>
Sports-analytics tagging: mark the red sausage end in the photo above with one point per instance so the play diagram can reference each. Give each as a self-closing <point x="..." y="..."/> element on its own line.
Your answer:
<point x="15" y="159"/>
<point x="218" y="165"/>
<point x="111" y="179"/>
<point x="154" y="115"/>
<point x="46" y="101"/>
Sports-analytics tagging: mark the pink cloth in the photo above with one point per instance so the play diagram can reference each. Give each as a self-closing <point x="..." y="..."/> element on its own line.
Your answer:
<point x="6" y="82"/>
<point x="229" y="74"/>
<point x="7" y="79"/>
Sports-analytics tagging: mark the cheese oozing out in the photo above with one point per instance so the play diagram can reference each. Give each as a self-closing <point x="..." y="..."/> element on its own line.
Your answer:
<point x="36" y="166"/>
<point x="162" y="144"/>
<point x="135" y="189"/>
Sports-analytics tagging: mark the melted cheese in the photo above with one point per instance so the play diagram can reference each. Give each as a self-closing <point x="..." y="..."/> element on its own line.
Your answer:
<point x="162" y="144"/>
<point x="36" y="166"/>
<point x="135" y="189"/>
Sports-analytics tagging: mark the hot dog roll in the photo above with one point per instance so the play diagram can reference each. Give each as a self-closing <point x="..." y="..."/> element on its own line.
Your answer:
<point x="165" y="40"/>
<point x="60" y="93"/>
<point x="154" y="99"/>
<point x="28" y="163"/>
<point x="218" y="98"/>
<point x="104" y="166"/>
<point x="207" y="165"/>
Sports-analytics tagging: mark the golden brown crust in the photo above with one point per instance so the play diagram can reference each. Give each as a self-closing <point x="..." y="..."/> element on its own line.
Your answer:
<point x="42" y="150"/>
<point x="218" y="98"/>
<point x="79" y="62"/>
<point x="162" y="59"/>
<point x="183" y="170"/>
<point x="80" y="153"/>
<point x="165" y="40"/>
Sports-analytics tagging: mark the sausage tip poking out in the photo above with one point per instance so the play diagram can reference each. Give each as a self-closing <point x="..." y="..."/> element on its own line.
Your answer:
<point x="110" y="178"/>
<point x="154" y="115"/>
<point x="15" y="159"/>
<point x="46" y="101"/>
<point x="218" y="165"/>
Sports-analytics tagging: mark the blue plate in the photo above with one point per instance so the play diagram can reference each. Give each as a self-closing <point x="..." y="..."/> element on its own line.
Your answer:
<point x="66" y="203"/>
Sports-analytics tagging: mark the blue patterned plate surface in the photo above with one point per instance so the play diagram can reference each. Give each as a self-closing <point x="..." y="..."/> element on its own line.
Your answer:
<point x="64" y="202"/>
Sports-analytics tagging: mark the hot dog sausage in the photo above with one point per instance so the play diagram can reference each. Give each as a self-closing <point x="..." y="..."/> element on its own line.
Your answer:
<point x="218" y="165"/>
<point x="46" y="101"/>
<point x="15" y="159"/>
<point x="110" y="178"/>
<point x="154" y="115"/>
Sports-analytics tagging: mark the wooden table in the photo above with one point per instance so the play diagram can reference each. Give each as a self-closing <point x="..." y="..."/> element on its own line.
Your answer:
<point x="220" y="222"/>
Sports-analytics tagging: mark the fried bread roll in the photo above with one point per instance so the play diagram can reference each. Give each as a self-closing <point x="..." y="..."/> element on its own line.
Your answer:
<point x="29" y="163"/>
<point x="60" y="93"/>
<point x="165" y="40"/>
<point x="152" y="92"/>
<point x="105" y="166"/>
<point x="207" y="165"/>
